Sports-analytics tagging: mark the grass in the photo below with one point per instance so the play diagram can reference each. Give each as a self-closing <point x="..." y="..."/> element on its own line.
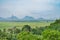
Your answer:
<point x="21" y="24"/>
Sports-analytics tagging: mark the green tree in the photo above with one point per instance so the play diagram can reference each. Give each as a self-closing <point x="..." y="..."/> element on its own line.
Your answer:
<point x="27" y="36"/>
<point x="51" y="35"/>
<point x="26" y="28"/>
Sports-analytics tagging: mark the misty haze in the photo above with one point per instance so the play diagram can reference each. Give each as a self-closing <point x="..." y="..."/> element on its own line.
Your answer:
<point x="29" y="19"/>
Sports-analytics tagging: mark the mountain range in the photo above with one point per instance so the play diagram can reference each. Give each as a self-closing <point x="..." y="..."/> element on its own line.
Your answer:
<point x="26" y="18"/>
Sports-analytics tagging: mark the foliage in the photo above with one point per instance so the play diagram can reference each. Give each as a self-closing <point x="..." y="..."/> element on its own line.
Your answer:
<point x="26" y="28"/>
<point x="55" y="25"/>
<point x="51" y="35"/>
<point x="27" y="32"/>
<point x="27" y="36"/>
<point x="38" y="31"/>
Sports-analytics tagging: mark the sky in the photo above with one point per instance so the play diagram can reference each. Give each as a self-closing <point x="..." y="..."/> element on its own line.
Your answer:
<point x="35" y="8"/>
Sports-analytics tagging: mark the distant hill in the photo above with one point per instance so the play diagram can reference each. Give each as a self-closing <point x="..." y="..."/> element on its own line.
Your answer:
<point x="12" y="18"/>
<point x="1" y="18"/>
<point x="41" y="19"/>
<point x="28" y="18"/>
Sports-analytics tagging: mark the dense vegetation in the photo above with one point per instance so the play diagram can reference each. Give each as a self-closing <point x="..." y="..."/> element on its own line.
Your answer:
<point x="51" y="32"/>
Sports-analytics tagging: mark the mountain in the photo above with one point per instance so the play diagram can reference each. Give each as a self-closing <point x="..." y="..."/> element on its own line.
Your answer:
<point x="41" y="19"/>
<point x="1" y="18"/>
<point x="12" y="18"/>
<point x="28" y="18"/>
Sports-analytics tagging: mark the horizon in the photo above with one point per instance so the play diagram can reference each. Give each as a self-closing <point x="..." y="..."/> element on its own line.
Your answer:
<point x="27" y="17"/>
<point x="35" y="8"/>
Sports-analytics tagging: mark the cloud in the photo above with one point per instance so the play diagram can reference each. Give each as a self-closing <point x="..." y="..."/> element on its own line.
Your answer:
<point x="22" y="8"/>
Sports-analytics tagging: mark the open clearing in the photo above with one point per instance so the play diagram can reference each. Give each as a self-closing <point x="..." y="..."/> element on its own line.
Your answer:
<point x="21" y="24"/>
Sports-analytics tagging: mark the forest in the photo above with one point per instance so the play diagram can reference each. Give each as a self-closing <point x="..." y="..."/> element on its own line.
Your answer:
<point x="51" y="32"/>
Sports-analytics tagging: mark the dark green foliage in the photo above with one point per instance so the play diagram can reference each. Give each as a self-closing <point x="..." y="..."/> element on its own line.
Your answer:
<point x="55" y="25"/>
<point x="26" y="28"/>
<point x="16" y="30"/>
<point x="57" y="21"/>
<point x="38" y="31"/>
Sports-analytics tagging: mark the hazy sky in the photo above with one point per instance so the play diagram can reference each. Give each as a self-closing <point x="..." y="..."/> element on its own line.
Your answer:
<point x="34" y="8"/>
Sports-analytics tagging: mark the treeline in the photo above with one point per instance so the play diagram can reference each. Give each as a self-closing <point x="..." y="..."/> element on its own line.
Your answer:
<point x="51" y="32"/>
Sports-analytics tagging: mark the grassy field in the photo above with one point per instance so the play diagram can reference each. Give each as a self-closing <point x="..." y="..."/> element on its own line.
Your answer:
<point x="21" y="24"/>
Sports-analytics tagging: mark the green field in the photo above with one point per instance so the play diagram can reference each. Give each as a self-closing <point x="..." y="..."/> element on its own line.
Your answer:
<point x="21" y="24"/>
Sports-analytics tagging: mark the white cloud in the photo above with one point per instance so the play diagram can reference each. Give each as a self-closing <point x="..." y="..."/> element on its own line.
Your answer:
<point x="22" y="8"/>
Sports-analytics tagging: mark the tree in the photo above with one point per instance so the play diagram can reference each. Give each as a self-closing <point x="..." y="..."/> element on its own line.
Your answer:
<point x="27" y="36"/>
<point x="51" y="35"/>
<point x="26" y="28"/>
<point x="57" y="21"/>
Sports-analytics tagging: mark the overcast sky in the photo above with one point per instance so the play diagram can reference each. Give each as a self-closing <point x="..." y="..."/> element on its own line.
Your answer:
<point x="34" y="8"/>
